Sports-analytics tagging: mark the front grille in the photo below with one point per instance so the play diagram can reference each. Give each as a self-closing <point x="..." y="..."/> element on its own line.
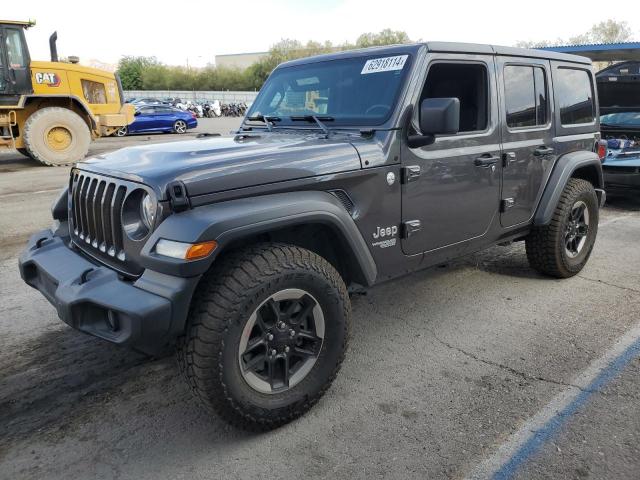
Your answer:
<point x="95" y="208"/>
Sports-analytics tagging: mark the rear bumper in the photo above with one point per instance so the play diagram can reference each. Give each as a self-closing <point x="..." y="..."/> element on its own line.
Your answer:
<point x="621" y="179"/>
<point x="146" y="314"/>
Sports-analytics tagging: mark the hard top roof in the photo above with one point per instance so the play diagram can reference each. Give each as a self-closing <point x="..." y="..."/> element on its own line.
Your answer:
<point x="442" y="47"/>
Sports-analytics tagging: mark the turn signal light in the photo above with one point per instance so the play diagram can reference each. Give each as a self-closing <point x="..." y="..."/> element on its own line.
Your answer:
<point x="200" y="250"/>
<point x="184" y="251"/>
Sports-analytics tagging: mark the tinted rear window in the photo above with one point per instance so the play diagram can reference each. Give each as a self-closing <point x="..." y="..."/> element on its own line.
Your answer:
<point x="574" y="92"/>
<point x="525" y="96"/>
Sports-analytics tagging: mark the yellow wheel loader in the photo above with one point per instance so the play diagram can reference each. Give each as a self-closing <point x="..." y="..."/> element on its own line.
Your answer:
<point x="50" y="111"/>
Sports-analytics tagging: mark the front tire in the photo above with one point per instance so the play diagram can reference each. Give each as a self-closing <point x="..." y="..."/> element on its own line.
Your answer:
<point x="122" y="131"/>
<point x="561" y="248"/>
<point x="56" y="136"/>
<point x="263" y="313"/>
<point x="25" y="152"/>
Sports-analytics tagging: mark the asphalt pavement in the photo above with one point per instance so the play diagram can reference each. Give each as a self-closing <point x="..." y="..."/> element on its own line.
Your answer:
<point x="481" y="368"/>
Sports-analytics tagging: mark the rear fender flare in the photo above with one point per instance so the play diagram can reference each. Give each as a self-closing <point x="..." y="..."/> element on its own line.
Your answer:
<point x="582" y="164"/>
<point x="228" y="222"/>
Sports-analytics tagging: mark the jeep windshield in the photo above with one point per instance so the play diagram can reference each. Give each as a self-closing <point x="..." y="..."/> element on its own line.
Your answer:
<point x="346" y="92"/>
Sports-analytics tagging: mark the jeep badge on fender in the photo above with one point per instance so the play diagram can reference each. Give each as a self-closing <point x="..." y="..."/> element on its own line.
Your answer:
<point x="241" y="251"/>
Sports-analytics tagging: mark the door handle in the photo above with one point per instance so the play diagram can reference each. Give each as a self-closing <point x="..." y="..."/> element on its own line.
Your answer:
<point x="486" y="160"/>
<point x="542" y="151"/>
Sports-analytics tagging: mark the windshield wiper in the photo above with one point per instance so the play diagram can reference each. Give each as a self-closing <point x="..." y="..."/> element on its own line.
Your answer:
<point x="268" y="120"/>
<point x="314" y="118"/>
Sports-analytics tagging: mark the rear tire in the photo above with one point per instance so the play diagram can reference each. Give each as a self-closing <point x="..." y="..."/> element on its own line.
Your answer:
<point x="561" y="248"/>
<point x="216" y="355"/>
<point x="180" y="126"/>
<point x="56" y="136"/>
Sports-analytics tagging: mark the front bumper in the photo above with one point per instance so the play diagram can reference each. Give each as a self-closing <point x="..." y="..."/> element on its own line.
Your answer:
<point x="147" y="313"/>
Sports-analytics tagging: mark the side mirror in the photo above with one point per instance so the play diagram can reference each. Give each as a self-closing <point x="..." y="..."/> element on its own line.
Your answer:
<point x="440" y="116"/>
<point x="437" y="116"/>
<point x="137" y="113"/>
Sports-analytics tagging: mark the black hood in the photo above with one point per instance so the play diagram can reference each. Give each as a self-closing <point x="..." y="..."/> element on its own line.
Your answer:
<point x="208" y="165"/>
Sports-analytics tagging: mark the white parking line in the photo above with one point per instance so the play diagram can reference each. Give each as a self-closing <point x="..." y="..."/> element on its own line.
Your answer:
<point x="533" y="434"/>
<point x="37" y="192"/>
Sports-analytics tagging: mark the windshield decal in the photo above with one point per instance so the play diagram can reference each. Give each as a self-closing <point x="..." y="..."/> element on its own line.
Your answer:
<point x="386" y="64"/>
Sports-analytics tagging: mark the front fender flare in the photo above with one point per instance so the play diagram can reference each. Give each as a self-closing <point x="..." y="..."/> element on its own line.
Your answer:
<point x="564" y="169"/>
<point x="229" y="221"/>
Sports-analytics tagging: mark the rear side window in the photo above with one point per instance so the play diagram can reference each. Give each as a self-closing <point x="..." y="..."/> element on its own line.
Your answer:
<point x="525" y="96"/>
<point x="575" y="96"/>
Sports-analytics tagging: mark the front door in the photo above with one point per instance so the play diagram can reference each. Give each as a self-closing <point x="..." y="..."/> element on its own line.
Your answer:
<point x="15" y="77"/>
<point x="451" y="190"/>
<point x="527" y="136"/>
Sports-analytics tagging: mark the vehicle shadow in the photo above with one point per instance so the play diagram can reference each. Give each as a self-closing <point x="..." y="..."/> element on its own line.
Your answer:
<point x="64" y="377"/>
<point x="627" y="200"/>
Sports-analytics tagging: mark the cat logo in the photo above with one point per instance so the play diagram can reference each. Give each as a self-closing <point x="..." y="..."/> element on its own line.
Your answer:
<point x="47" y="78"/>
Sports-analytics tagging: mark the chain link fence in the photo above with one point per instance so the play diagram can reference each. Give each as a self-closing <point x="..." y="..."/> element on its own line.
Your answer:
<point x="193" y="96"/>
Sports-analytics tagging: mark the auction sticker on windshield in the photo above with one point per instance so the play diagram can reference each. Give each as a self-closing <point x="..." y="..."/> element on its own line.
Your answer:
<point x="386" y="64"/>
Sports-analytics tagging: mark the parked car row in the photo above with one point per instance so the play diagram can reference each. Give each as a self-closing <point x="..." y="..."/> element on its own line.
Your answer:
<point x="619" y="98"/>
<point x="201" y="108"/>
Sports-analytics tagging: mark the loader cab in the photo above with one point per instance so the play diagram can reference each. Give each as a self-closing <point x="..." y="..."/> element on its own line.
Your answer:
<point x="15" y="76"/>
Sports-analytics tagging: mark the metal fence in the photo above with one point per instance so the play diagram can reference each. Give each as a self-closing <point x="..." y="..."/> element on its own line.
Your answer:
<point x="190" y="95"/>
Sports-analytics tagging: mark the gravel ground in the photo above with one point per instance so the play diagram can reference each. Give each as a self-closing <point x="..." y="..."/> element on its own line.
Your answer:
<point x="444" y="366"/>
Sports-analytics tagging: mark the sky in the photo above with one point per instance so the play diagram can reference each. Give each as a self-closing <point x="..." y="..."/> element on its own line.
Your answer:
<point x="194" y="31"/>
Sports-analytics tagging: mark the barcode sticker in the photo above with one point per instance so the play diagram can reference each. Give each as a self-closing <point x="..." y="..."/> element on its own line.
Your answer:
<point x="386" y="64"/>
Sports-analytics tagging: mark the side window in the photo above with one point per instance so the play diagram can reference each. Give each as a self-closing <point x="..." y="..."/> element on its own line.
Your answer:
<point x="15" y="53"/>
<point x="94" y="92"/>
<point x="466" y="81"/>
<point x="574" y="92"/>
<point x="525" y="90"/>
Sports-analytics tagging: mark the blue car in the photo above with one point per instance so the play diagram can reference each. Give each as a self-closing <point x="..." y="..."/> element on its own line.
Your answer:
<point x="159" y="118"/>
<point x="619" y="95"/>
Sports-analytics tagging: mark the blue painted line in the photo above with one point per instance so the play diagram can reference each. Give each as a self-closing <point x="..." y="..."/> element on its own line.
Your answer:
<point x="547" y="432"/>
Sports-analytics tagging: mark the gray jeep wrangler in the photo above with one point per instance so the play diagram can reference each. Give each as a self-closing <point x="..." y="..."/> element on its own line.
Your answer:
<point x="349" y="169"/>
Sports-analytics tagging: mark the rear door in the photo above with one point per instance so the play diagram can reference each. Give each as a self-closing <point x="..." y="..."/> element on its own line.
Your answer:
<point x="527" y="135"/>
<point x="15" y="76"/>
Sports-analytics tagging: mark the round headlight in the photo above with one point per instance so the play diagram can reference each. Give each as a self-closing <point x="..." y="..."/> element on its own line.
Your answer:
<point x="148" y="211"/>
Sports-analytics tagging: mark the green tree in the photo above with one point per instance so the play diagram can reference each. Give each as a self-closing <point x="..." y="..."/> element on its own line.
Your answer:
<point x="131" y="71"/>
<point x="385" y="37"/>
<point x="608" y="31"/>
<point x="146" y="73"/>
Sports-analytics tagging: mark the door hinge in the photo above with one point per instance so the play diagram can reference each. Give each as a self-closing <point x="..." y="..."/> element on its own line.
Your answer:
<point x="410" y="173"/>
<point x="410" y="227"/>
<point x="506" y="204"/>
<point x="508" y="158"/>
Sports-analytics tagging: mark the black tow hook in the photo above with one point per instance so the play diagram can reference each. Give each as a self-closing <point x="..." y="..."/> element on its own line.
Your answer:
<point x="40" y="241"/>
<point x="84" y="276"/>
